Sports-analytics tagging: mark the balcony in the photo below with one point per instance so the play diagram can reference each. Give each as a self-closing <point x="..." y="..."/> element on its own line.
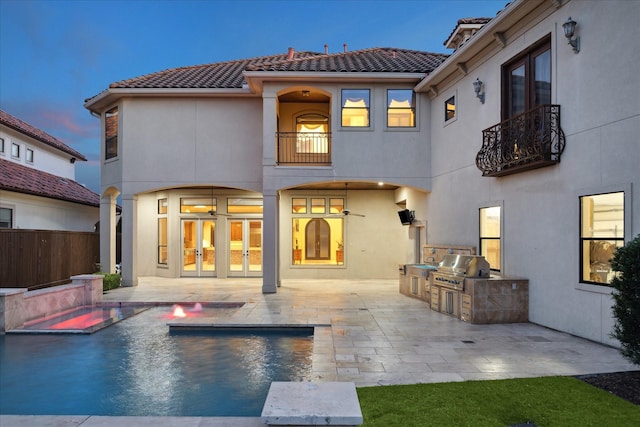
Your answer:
<point x="304" y="148"/>
<point x="530" y="140"/>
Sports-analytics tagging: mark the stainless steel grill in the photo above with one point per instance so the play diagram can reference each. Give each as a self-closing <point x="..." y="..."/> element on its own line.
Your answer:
<point x="453" y="269"/>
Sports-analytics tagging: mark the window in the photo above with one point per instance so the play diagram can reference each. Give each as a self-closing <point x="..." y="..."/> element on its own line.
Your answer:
<point x="401" y="108"/>
<point x="197" y="204"/>
<point x="318" y="206"/>
<point x="15" y="150"/>
<point x="450" y="109"/>
<point x="527" y="81"/>
<point x="6" y="218"/>
<point x="29" y="155"/>
<point x="244" y="206"/>
<point x="299" y="205"/>
<point x="111" y="133"/>
<point x="317" y="237"/>
<point x="1" y="145"/>
<point x="163" y="256"/>
<point x="490" y="234"/>
<point x="601" y="232"/>
<point x="311" y="133"/>
<point x="355" y="107"/>
<point x="162" y="206"/>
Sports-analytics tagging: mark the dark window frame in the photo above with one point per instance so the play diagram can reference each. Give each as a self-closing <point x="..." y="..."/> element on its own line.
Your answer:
<point x="412" y="108"/>
<point x="111" y="130"/>
<point x="10" y="220"/>
<point x="367" y="107"/>
<point x="526" y="58"/>
<point x="450" y="113"/>
<point x="482" y="239"/>
<point x="619" y="241"/>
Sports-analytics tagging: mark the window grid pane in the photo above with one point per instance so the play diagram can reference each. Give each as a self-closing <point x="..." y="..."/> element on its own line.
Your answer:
<point x="318" y="206"/>
<point x="299" y="205"/>
<point x="450" y="108"/>
<point x="490" y="236"/>
<point x="601" y="233"/>
<point x="355" y="107"/>
<point x="400" y="108"/>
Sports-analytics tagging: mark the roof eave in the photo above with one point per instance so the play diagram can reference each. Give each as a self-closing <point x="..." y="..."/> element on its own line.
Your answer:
<point x="255" y="79"/>
<point x="510" y="15"/>
<point x="105" y="99"/>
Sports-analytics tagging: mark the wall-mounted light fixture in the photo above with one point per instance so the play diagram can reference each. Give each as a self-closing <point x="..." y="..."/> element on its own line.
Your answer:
<point x="478" y="88"/>
<point x="569" y="30"/>
<point x="306" y="93"/>
<point x="72" y="160"/>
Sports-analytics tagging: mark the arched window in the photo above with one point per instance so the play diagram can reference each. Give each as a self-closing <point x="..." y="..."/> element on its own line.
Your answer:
<point x="318" y="239"/>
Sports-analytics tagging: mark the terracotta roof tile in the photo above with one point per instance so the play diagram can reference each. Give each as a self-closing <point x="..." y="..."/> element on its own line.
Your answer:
<point x="224" y="75"/>
<point x="229" y="74"/>
<point x="23" y="179"/>
<point x="32" y="131"/>
<point x="463" y="21"/>
<point x="373" y="60"/>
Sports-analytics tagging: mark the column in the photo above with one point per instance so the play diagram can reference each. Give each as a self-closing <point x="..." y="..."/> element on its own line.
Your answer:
<point x="108" y="233"/>
<point x="129" y="240"/>
<point x="270" y="244"/>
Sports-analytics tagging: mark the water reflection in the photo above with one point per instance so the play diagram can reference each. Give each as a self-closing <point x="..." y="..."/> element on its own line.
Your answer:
<point x="137" y="367"/>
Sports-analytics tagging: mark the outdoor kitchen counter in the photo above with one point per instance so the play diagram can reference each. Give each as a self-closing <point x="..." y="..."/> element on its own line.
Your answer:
<point x="495" y="299"/>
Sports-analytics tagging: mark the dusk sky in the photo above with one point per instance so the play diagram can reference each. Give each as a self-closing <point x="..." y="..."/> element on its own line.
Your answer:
<point x="54" y="54"/>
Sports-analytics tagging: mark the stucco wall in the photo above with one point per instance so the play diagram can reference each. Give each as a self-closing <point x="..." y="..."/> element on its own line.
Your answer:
<point x="600" y="116"/>
<point x="373" y="245"/>
<point x="40" y="213"/>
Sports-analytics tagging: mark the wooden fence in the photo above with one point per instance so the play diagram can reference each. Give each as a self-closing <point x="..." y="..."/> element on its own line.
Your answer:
<point x="41" y="258"/>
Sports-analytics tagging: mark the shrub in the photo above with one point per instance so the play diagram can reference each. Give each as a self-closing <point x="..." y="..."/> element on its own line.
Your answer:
<point x="626" y="308"/>
<point x="110" y="281"/>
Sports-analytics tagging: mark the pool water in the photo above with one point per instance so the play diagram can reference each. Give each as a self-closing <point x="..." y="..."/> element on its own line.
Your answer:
<point x="137" y="367"/>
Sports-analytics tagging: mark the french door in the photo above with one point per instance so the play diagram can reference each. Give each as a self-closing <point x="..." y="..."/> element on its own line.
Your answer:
<point x="198" y="247"/>
<point x="245" y="247"/>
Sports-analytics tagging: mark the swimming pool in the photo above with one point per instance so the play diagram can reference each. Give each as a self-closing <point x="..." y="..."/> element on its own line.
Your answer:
<point x="137" y="367"/>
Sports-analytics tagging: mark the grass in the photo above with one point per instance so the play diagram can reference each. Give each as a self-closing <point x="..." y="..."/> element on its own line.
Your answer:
<point x="545" y="402"/>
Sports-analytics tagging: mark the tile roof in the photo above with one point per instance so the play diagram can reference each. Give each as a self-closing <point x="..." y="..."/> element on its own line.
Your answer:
<point x="373" y="60"/>
<point x="463" y="21"/>
<point x="32" y="131"/>
<point x="23" y="179"/>
<point x="218" y="75"/>
<point x="229" y="75"/>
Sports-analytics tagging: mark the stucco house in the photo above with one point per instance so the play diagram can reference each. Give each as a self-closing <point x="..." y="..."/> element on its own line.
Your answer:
<point x="37" y="181"/>
<point x="295" y="165"/>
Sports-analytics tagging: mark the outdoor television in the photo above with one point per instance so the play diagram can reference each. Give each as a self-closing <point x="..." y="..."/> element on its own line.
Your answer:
<point x="406" y="216"/>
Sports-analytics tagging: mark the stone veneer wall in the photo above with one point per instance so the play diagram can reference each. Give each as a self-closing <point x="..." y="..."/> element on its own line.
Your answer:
<point x="18" y="306"/>
<point x="495" y="300"/>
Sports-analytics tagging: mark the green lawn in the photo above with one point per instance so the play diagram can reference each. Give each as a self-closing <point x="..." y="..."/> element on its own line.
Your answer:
<point x="546" y="402"/>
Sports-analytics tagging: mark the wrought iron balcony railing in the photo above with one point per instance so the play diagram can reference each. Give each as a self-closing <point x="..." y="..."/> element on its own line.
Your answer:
<point x="530" y="140"/>
<point x="304" y="148"/>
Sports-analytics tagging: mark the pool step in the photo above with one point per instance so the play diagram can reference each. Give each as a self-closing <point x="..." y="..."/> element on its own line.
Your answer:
<point x="312" y="404"/>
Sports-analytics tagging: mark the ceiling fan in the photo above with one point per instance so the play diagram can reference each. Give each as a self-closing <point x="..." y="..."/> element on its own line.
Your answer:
<point x="212" y="211"/>
<point x="345" y="211"/>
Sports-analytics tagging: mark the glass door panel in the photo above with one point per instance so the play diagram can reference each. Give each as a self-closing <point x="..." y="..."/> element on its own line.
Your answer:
<point x="198" y="247"/>
<point x="245" y="247"/>
<point x="255" y="246"/>
<point x="189" y="249"/>
<point x="208" y="245"/>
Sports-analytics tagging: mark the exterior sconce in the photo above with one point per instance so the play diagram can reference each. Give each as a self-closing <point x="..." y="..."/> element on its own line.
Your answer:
<point x="569" y="30"/>
<point x="305" y="93"/>
<point x="478" y="88"/>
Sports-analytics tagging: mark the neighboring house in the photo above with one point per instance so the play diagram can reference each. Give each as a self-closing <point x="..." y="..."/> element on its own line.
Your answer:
<point x="247" y="168"/>
<point x="37" y="181"/>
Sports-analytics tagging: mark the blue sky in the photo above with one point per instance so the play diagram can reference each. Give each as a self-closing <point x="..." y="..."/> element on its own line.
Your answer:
<point x="56" y="53"/>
